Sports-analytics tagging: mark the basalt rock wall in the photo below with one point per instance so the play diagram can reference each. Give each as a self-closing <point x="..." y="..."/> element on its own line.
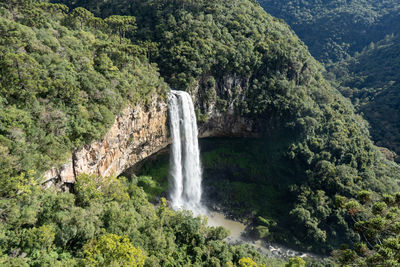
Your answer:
<point x="140" y="131"/>
<point x="136" y="133"/>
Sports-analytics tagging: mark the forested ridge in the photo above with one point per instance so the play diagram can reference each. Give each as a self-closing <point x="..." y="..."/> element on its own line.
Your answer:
<point x="371" y="79"/>
<point x="358" y="42"/>
<point x="79" y="70"/>
<point x="334" y="29"/>
<point x="326" y="144"/>
<point x="64" y="75"/>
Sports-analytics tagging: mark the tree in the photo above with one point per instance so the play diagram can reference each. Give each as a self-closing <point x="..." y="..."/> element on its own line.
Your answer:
<point x="151" y="48"/>
<point x="247" y="262"/>
<point x="378" y="224"/>
<point x="121" y="24"/>
<point x="296" y="262"/>
<point x="112" y="250"/>
<point x="82" y="15"/>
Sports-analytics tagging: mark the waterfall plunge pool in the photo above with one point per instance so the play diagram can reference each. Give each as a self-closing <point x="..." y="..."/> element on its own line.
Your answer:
<point x="240" y="178"/>
<point x="232" y="169"/>
<point x="237" y="236"/>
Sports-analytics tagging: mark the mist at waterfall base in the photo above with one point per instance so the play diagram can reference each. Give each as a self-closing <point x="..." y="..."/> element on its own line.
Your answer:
<point x="185" y="169"/>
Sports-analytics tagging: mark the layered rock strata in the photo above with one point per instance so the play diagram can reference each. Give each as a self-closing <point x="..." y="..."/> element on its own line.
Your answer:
<point x="137" y="133"/>
<point x="140" y="131"/>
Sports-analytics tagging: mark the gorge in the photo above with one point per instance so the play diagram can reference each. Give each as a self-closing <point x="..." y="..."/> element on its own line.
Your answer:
<point x="84" y="97"/>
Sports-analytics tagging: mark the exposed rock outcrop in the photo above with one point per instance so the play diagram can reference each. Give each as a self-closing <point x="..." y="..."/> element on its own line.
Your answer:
<point x="220" y="101"/>
<point x="229" y="124"/>
<point x="141" y="131"/>
<point x="136" y="133"/>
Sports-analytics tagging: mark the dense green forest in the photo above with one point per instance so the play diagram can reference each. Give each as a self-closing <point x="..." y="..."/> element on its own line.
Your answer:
<point x="64" y="75"/>
<point x="362" y="39"/>
<point x="106" y="222"/>
<point x="334" y="29"/>
<point x="240" y="177"/>
<point x="371" y="79"/>
<point x="326" y="144"/>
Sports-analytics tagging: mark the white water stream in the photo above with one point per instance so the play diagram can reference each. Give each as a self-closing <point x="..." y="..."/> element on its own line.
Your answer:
<point x="185" y="169"/>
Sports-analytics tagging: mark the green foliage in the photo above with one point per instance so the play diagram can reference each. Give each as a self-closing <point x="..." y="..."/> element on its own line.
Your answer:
<point x="371" y="80"/>
<point x="334" y="29"/>
<point x="64" y="83"/>
<point x="296" y="262"/>
<point x="61" y="85"/>
<point x="249" y="179"/>
<point x="112" y="250"/>
<point x="263" y="226"/>
<point x="122" y="24"/>
<point x="153" y="177"/>
<point x="378" y="223"/>
<point x="90" y="187"/>
<point x="109" y="222"/>
<point x="82" y="15"/>
<point x="247" y="262"/>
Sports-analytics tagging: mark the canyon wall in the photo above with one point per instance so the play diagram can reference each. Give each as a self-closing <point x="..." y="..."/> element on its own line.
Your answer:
<point x="219" y="101"/>
<point x="136" y="133"/>
<point x="141" y="131"/>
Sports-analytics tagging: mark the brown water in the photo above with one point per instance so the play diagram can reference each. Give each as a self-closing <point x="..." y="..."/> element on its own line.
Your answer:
<point x="237" y="229"/>
<point x="219" y="219"/>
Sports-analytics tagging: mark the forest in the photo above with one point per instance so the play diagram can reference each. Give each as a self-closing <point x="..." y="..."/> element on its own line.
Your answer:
<point x="320" y="184"/>
<point x="335" y="29"/>
<point x="371" y="80"/>
<point x="359" y="42"/>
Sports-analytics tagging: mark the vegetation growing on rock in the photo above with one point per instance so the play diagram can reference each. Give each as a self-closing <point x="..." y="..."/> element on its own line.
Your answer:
<point x="279" y="83"/>
<point x="64" y="75"/>
<point x="63" y="78"/>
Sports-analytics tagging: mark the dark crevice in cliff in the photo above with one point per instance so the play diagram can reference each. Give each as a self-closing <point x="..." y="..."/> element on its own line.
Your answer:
<point x="74" y="164"/>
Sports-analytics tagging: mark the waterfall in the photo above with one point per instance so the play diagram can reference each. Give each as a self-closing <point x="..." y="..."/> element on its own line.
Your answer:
<point x="185" y="169"/>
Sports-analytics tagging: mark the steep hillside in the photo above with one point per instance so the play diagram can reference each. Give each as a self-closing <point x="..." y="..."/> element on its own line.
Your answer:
<point x="233" y="57"/>
<point x="333" y="29"/>
<point x="358" y="36"/>
<point x="372" y="80"/>
<point x="63" y="78"/>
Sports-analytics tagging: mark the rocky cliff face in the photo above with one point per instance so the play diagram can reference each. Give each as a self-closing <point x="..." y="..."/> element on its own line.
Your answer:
<point x="219" y="101"/>
<point x="136" y="133"/>
<point x="140" y="131"/>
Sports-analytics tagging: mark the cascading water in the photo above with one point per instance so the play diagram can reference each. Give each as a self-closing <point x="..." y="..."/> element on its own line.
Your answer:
<point x="185" y="169"/>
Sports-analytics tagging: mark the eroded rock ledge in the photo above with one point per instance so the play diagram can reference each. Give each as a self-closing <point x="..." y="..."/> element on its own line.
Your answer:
<point x="136" y="133"/>
<point x="141" y="131"/>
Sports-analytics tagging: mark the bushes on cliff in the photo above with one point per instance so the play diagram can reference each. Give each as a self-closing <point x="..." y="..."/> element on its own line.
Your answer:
<point x="281" y="84"/>
<point x="63" y="77"/>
